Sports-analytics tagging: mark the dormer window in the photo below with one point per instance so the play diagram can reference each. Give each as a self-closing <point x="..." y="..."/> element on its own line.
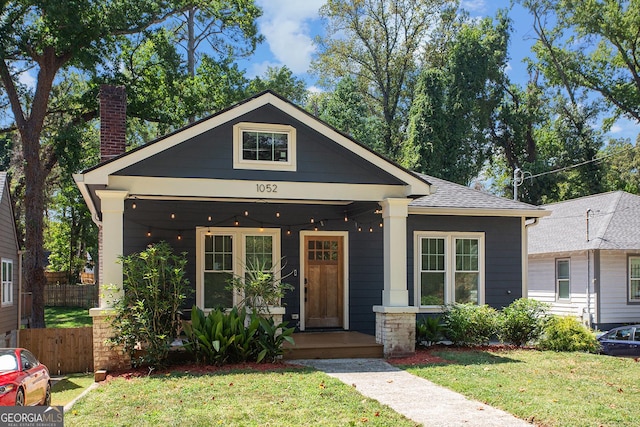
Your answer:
<point x="264" y="146"/>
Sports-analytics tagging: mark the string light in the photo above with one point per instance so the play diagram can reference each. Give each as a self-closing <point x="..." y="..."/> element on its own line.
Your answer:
<point x="277" y="214"/>
<point x="370" y="229"/>
<point x="288" y="232"/>
<point x="312" y="220"/>
<point x="346" y="218"/>
<point x="179" y="235"/>
<point x="149" y="233"/>
<point x="133" y="205"/>
<point x="209" y="218"/>
<point x="246" y="213"/>
<point x="173" y="215"/>
<point x="236" y="222"/>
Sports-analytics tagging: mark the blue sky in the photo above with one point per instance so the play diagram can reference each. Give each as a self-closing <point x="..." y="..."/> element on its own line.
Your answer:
<point x="289" y="27"/>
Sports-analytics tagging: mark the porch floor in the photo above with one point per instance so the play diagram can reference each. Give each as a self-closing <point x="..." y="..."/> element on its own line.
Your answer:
<point x="333" y="345"/>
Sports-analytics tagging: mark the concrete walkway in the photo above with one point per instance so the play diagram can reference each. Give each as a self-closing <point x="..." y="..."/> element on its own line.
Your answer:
<point x="416" y="398"/>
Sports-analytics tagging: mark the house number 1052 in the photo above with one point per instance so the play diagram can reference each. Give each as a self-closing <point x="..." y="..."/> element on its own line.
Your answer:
<point x="267" y="188"/>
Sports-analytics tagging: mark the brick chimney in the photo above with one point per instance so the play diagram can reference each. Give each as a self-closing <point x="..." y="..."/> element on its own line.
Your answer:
<point x="113" y="121"/>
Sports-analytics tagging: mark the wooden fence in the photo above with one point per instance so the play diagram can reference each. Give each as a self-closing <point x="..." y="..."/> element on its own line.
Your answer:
<point x="66" y="295"/>
<point x="62" y="350"/>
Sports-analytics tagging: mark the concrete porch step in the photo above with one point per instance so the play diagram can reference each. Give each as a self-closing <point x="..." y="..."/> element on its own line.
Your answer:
<point x="333" y="345"/>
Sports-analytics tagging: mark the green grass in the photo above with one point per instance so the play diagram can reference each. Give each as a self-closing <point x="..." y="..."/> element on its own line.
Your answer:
<point x="291" y="397"/>
<point x="70" y="387"/>
<point x="548" y="388"/>
<point x="67" y="317"/>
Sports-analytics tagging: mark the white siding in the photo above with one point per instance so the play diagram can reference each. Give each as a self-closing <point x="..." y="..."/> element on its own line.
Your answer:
<point x="613" y="287"/>
<point x="542" y="283"/>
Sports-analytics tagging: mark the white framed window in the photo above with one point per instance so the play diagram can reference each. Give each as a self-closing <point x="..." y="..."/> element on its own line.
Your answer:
<point x="634" y="279"/>
<point x="563" y="279"/>
<point x="223" y="253"/>
<point x="7" y="281"/>
<point x="449" y="269"/>
<point x="264" y="146"/>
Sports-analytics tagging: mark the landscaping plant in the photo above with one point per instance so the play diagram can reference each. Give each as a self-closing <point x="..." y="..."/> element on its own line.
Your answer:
<point x="523" y="321"/>
<point x="566" y="333"/>
<point x="469" y="324"/>
<point x="429" y="330"/>
<point x="147" y="317"/>
<point x="261" y="286"/>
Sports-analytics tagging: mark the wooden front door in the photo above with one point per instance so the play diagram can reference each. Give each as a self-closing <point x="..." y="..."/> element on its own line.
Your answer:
<point x="323" y="281"/>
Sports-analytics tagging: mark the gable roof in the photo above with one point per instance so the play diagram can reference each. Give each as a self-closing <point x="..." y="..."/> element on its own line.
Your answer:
<point x="99" y="174"/>
<point x="613" y="223"/>
<point x="457" y="199"/>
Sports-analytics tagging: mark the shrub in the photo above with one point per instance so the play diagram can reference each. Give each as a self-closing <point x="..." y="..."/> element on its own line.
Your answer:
<point x="568" y="334"/>
<point x="260" y="286"/>
<point x="147" y="316"/>
<point x="230" y="337"/>
<point x="429" y="330"/>
<point x="469" y="324"/>
<point x="523" y="321"/>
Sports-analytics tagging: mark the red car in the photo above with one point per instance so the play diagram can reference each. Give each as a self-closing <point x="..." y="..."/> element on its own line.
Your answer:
<point x="23" y="380"/>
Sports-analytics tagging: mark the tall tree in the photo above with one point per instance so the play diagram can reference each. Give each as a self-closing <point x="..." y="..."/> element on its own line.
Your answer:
<point x="45" y="38"/>
<point x="449" y="121"/>
<point x="379" y="43"/>
<point x="592" y="44"/>
<point x="282" y="81"/>
<point x="622" y="166"/>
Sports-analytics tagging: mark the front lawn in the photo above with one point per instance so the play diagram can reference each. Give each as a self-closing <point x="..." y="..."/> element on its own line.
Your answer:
<point x="547" y="388"/>
<point x="285" y="396"/>
<point x="69" y="387"/>
<point x="67" y="317"/>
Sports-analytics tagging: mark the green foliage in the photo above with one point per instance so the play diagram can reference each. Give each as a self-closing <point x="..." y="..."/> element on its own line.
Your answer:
<point x="453" y="104"/>
<point x="522" y="321"/>
<point x="261" y="286"/>
<point x="230" y="337"/>
<point x="568" y="334"/>
<point x="429" y="330"/>
<point x="621" y="169"/>
<point x="469" y="324"/>
<point x="147" y="315"/>
<point x="282" y="81"/>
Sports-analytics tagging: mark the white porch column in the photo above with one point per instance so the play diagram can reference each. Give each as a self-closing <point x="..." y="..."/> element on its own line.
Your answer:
<point x="112" y="204"/>
<point x="395" y="319"/>
<point x="394" y="214"/>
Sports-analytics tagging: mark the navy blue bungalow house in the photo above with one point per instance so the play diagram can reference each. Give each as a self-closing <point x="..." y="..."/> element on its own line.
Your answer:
<point x="367" y="244"/>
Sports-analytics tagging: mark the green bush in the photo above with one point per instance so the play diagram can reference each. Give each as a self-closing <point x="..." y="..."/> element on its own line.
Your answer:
<point x="429" y="330"/>
<point x="230" y="337"/>
<point x="148" y="314"/>
<point x="469" y="324"/>
<point x="568" y="334"/>
<point x="523" y="321"/>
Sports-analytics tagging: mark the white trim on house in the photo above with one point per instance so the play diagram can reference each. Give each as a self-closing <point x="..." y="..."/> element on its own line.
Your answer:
<point x="345" y="261"/>
<point x="239" y="254"/>
<point x="248" y="189"/>
<point x="430" y="210"/>
<point x="240" y="163"/>
<point x="450" y="268"/>
<point x="7" y="282"/>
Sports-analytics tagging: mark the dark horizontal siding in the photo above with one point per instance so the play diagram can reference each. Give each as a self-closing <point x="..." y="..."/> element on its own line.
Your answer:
<point x="210" y="155"/>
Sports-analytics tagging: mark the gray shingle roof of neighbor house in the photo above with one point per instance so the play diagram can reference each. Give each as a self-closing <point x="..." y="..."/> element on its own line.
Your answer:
<point x="456" y="196"/>
<point x="614" y="223"/>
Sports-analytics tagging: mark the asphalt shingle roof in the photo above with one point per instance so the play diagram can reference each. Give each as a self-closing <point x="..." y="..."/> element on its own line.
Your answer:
<point x="614" y="223"/>
<point x="451" y="195"/>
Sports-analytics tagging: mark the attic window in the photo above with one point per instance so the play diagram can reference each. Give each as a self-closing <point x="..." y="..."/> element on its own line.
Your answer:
<point x="264" y="146"/>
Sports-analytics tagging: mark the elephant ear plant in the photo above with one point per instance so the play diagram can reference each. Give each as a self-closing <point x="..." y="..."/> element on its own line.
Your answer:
<point x="147" y="317"/>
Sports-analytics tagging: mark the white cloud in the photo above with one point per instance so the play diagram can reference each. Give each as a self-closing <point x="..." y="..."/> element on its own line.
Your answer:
<point x="473" y="5"/>
<point x="27" y="79"/>
<point x="286" y="26"/>
<point x="616" y="129"/>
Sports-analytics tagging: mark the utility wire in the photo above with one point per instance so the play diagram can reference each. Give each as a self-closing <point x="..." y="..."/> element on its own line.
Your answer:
<point x="582" y="163"/>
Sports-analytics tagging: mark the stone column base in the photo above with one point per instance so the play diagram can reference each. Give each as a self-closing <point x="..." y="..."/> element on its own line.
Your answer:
<point x="106" y="357"/>
<point x="396" y="330"/>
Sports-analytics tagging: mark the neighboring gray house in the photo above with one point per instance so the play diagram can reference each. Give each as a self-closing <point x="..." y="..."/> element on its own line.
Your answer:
<point x="584" y="259"/>
<point x="366" y="244"/>
<point x="9" y="268"/>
